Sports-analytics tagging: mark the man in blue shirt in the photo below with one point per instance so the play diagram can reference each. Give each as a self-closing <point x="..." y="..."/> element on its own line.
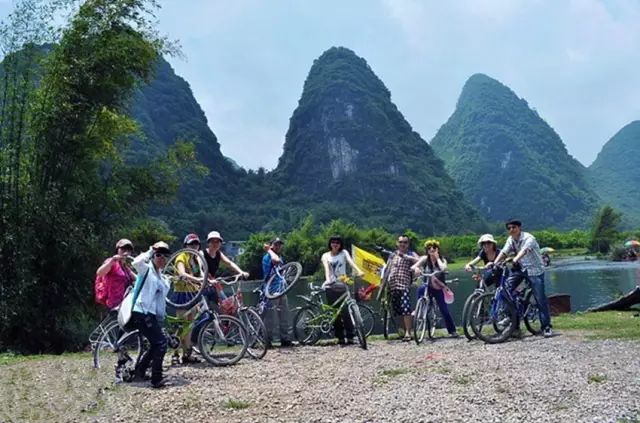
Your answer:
<point x="276" y="314"/>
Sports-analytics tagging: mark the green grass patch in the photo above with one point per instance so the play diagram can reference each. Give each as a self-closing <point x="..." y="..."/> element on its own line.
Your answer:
<point x="597" y="378"/>
<point x="601" y="325"/>
<point x="236" y="404"/>
<point x="394" y="372"/>
<point x="461" y="380"/>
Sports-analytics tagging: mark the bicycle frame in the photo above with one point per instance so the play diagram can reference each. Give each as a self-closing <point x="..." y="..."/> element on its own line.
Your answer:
<point x="328" y="312"/>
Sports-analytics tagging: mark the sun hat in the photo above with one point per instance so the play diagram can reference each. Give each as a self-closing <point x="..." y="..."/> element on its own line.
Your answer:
<point x="161" y="246"/>
<point x="214" y="235"/>
<point x="123" y="243"/>
<point x="486" y="238"/>
<point x="191" y="238"/>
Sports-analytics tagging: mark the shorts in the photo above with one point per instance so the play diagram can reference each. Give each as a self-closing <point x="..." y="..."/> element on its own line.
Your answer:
<point x="400" y="302"/>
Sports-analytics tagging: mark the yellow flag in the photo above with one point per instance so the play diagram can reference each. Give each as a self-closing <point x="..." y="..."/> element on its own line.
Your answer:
<point x="369" y="263"/>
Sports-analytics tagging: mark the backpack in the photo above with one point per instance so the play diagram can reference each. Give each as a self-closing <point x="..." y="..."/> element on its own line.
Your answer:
<point x="101" y="292"/>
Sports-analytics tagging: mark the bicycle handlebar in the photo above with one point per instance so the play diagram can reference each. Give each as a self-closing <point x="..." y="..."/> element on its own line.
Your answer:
<point x="228" y="280"/>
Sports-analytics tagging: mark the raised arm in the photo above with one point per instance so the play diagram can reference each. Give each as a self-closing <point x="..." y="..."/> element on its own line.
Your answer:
<point x="417" y="267"/>
<point x="141" y="262"/>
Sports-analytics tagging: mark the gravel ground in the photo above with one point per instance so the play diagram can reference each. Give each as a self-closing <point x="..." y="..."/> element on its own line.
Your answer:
<point x="561" y="379"/>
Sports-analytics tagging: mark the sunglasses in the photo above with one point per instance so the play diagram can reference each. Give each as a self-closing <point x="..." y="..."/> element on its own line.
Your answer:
<point x="511" y="227"/>
<point x="163" y="255"/>
<point x="194" y="243"/>
<point x="127" y="248"/>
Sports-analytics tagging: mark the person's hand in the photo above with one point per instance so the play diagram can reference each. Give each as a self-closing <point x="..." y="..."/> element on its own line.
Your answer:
<point x="360" y="274"/>
<point x="326" y="284"/>
<point x="245" y="275"/>
<point x="515" y="261"/>
<point x="117" y="257"/>
<point x="467" y="268"/>
<point x="489" y="264"/>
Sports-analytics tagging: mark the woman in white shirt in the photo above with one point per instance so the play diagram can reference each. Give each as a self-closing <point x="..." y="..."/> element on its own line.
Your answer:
<point x="149" y="310"/>
<point x="334" y="263"/>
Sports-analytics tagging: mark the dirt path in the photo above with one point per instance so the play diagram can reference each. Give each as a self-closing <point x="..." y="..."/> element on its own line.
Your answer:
<point x="564" y="378"/>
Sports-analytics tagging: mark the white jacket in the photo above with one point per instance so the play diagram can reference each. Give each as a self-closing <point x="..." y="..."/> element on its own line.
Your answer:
<point x="152" y="296"/>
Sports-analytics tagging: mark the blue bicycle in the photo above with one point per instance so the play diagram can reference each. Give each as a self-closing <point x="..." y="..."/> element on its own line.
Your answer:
<point x="494" y="317"/>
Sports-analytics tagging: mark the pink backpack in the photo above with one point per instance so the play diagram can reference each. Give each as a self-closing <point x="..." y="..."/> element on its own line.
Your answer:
<point x="101" y="292"/>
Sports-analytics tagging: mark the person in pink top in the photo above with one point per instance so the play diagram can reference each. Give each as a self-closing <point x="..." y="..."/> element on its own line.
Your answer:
<point x="116" y="274"/>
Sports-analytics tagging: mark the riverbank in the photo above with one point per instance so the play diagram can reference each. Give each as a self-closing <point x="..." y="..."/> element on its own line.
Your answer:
<point x="569" y="377"/>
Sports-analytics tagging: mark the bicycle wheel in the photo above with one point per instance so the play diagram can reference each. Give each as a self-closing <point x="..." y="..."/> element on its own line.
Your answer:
<point x="420" y="321"/>
<point x="532" y="314"/>
<point x="466" y="321"/>
<point x="185" y="293"/>
<point x="368" y="318"/>
<point x="358" y="325"/>
<point x="278" y="285"/>
<point x="108" y="320"/>
<point x="123" y="356"/>
<point x="223" y="341"/>
<point x="492" y="320"/>
<point x="106" y="342"/>
<point x="306" y="326"/>
<point x="256" y="333"/>
<point x="432" y="319"/>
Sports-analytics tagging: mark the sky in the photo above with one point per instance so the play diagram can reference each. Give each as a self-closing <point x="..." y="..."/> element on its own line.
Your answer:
<point x="576" y="62"/>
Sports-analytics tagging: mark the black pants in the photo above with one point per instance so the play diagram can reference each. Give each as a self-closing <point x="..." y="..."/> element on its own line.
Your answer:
<point x="150" y="328"/>
<point x="343" y="322"/>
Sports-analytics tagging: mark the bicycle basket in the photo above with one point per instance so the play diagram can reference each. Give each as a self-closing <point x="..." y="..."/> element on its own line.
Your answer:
<point x="228" y="306"/>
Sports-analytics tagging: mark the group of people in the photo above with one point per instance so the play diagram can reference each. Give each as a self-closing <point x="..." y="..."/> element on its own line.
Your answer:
<point x="404" y="265"/>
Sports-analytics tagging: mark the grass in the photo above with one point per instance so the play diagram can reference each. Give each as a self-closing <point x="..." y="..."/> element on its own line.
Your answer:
<point x="601" y="325"/>
<point x="461" y="380"/>
<point x="394" y="372"/>
<point x="9" y="358"/>
<point x="597" y="378"/>
<point x="236" y="404"/>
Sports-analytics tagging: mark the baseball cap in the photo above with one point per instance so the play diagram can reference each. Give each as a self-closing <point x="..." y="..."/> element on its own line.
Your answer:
<point x="276" y="240"/>
<point x="161" y="246"/>
<point x="190" y="238"/>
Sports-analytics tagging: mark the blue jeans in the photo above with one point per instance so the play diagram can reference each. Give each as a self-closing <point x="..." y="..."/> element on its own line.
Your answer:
<point x="438" y="295"/>
<point x="537" y="286"/>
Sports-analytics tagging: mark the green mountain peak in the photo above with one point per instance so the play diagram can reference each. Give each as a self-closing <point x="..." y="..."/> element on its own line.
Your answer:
<point x="510" y="162"/>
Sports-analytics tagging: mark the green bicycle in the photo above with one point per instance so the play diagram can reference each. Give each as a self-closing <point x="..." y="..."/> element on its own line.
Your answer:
<point x="317" y="318"/>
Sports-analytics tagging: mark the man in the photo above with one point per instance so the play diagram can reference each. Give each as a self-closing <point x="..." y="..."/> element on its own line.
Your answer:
<point x="529" y="259"/>
<point x="276" y="311"/>
<point x="399" y="279"/>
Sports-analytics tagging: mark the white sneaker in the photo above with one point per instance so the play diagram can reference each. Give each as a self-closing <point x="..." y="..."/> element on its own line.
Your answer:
<point x="547" y="333"/>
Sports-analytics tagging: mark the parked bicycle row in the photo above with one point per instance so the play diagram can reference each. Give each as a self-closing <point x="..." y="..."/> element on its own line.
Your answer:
<point x="159" y="300"/>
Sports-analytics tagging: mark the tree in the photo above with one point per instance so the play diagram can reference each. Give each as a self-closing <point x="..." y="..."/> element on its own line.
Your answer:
<point x="605" y="229"/>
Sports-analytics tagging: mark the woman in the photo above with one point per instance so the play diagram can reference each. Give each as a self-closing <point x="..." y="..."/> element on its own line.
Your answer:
<point x="188" y="268"/>
<point x="488" y="252"/>
<point x="214" y="255"/>
<point x="117" y="276"/>
<point x="334" y="263"/>
<point x="149" y="310"/>
<point x="434" y="262"/>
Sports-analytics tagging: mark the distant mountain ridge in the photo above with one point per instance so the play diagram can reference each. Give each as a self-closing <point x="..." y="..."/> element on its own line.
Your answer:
<point x="349" y="146"/>
<point x="510" y="163"/>
<point x="615" y="174"/>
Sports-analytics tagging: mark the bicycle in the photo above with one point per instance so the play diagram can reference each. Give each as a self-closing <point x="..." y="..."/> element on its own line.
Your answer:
<point x="495" y="316"/>
<point x="317" y="319"/>
<point x="384" y="297"/>
<point x="222" y="340"/>
<point x="104" y="337"/>
<point x="256" y="330"/>
<point x="427" y="314"/>
<point x="480" y="289"/>
<point x="316" y="301"/>
<point x="283" y="278"/>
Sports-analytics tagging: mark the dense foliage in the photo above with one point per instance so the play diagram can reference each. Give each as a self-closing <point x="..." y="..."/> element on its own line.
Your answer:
<point x="510" y="162"/>
<point x="614" y="174"/>
<point x="64" y="187"/>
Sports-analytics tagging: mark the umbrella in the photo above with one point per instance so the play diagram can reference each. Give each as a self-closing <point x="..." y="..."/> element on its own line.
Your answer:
<point x="632" y="243"/>
<point x="546" y="250"/>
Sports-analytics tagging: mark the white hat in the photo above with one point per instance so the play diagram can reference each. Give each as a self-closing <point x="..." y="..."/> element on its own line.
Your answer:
<point x="486" y="238"/>
<point x="214" y="235"/>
